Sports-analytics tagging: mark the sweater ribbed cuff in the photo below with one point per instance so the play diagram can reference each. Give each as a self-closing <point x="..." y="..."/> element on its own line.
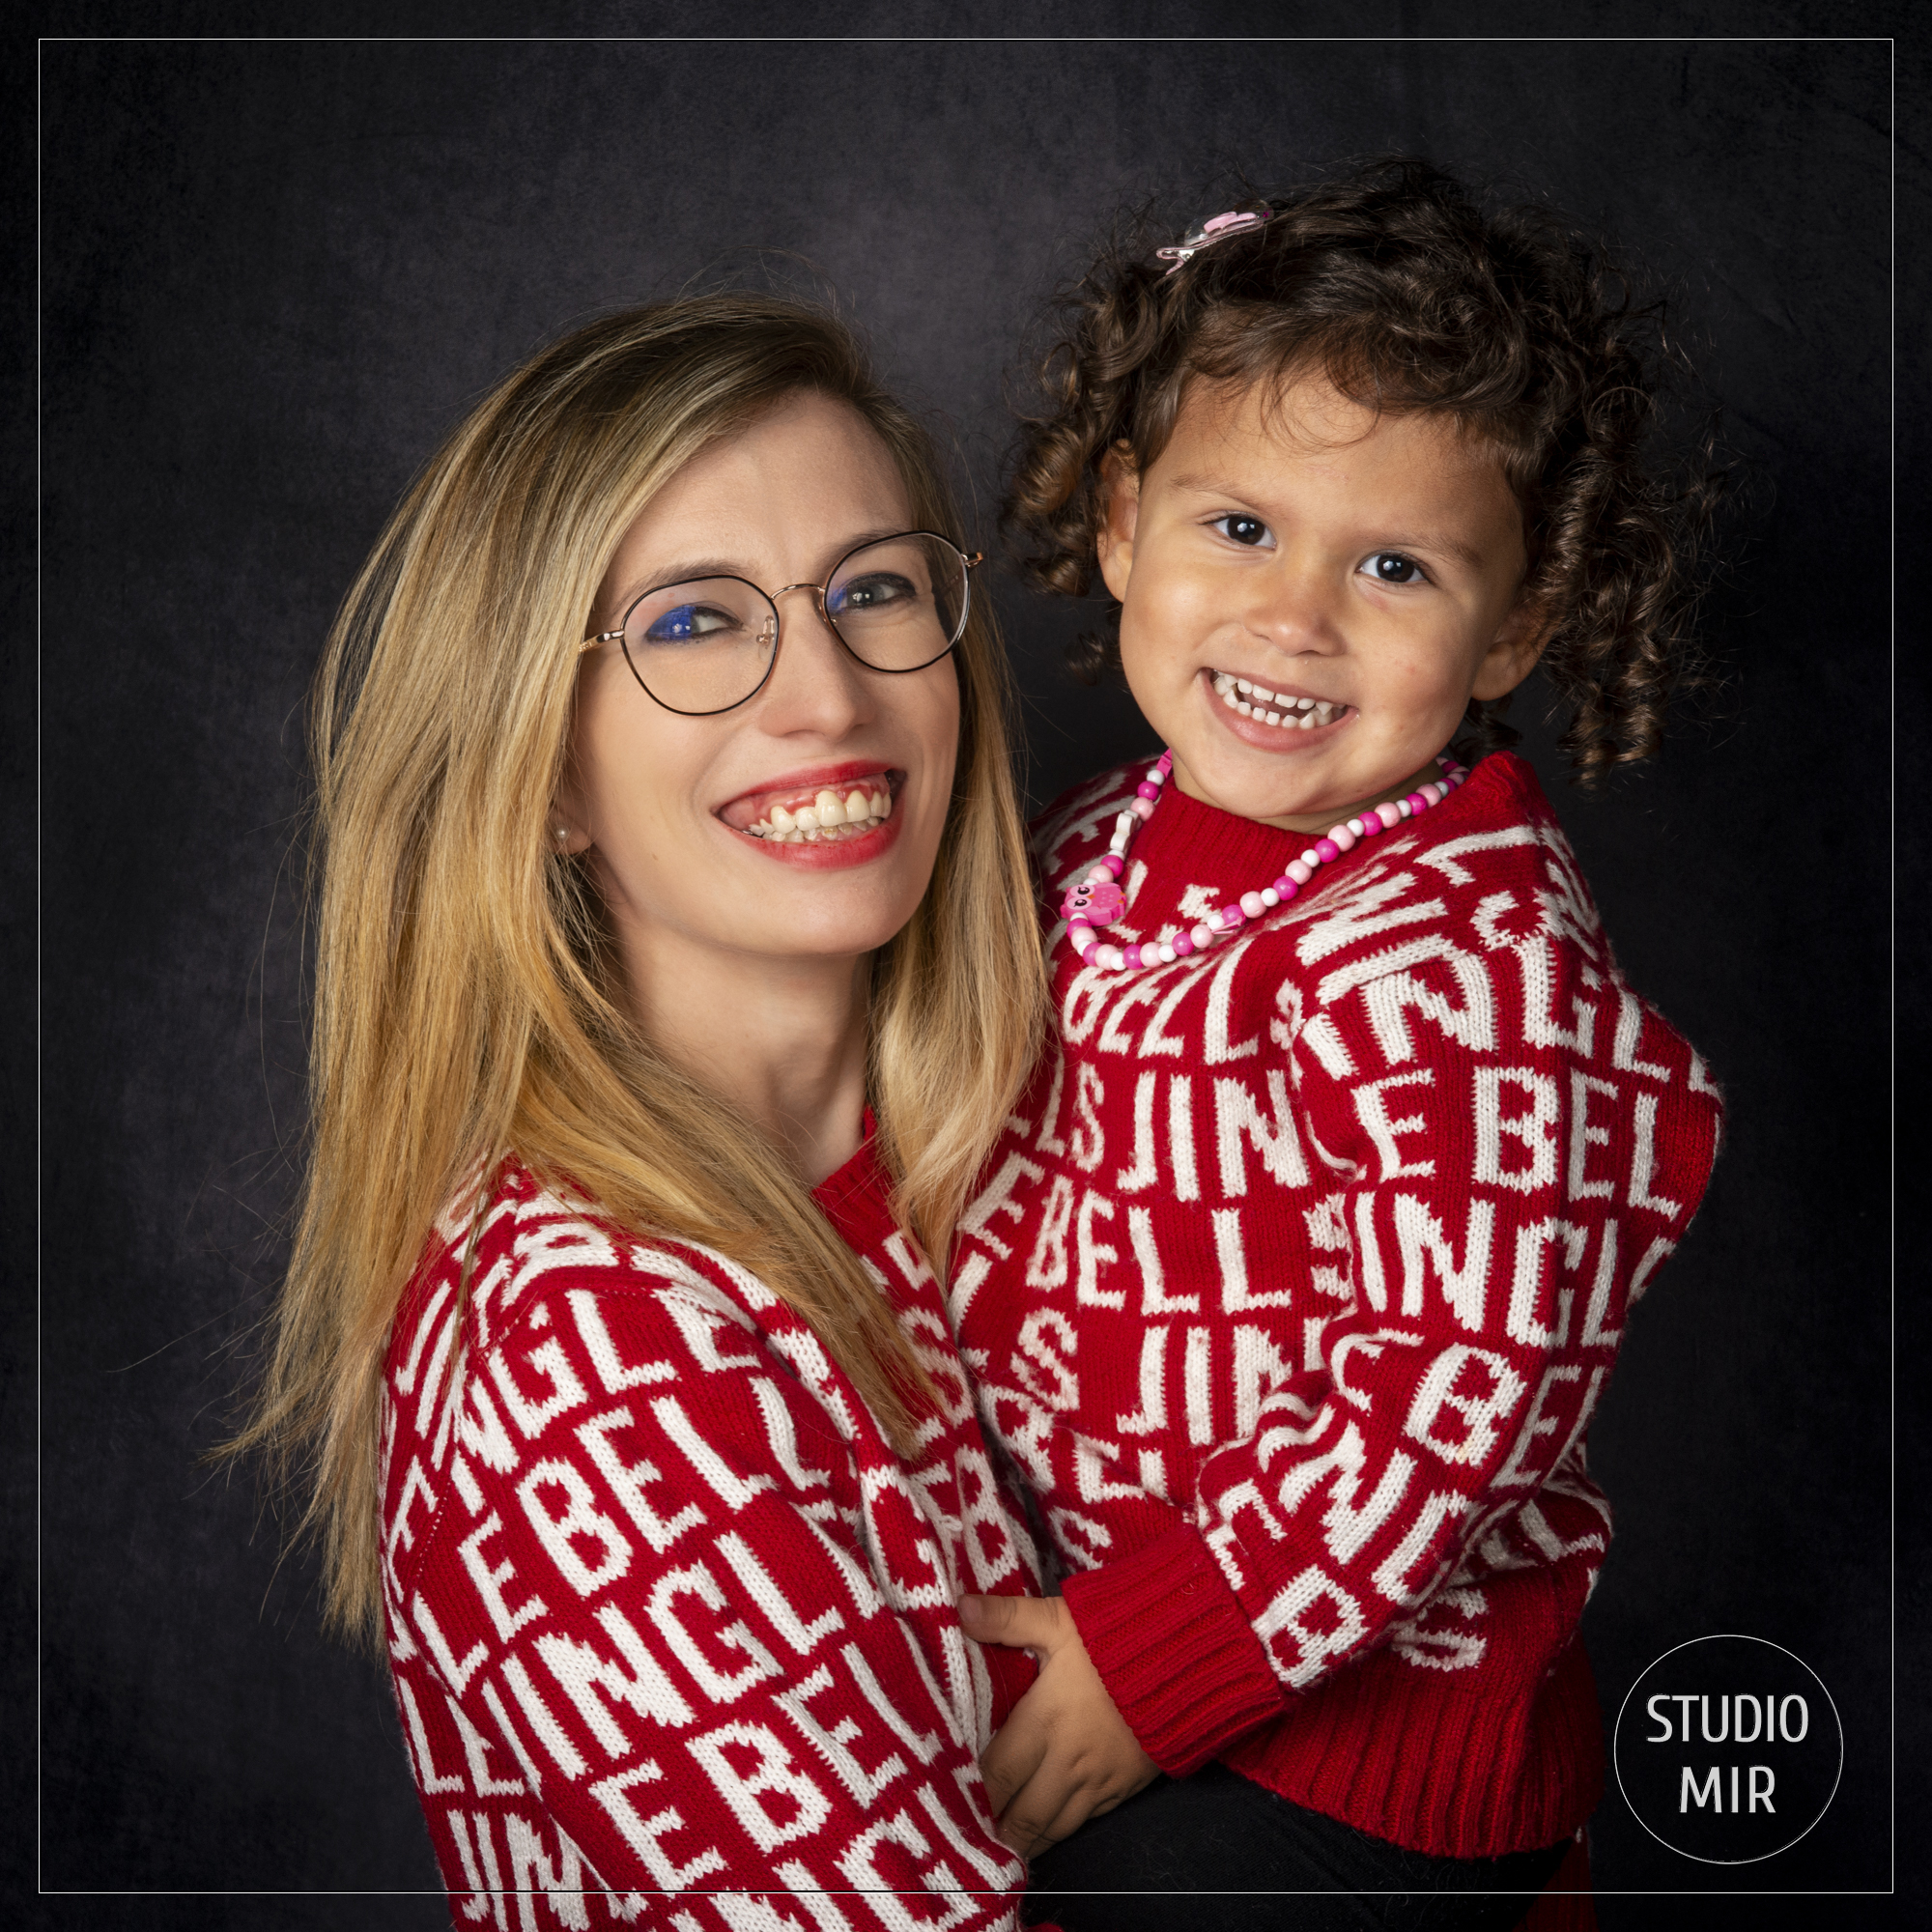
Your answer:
<point x="1174" y="1650"/>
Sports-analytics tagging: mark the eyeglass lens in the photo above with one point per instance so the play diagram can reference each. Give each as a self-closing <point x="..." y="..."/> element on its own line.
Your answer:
<point x="706" y="644"/>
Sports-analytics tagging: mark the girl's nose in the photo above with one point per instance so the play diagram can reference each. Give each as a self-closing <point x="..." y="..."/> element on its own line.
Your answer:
<point x="1292" y="608"/>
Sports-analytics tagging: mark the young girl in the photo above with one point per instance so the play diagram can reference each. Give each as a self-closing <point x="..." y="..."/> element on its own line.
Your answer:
<point x="1300" y="1271"/>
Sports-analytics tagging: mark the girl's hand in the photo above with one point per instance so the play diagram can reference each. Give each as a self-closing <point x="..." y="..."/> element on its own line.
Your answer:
<point x="1065" y="1754"/>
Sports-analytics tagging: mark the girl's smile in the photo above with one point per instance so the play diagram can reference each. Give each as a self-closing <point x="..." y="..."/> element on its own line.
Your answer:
<point x="1267" y="714"/>
<point x="1310" y="595"/>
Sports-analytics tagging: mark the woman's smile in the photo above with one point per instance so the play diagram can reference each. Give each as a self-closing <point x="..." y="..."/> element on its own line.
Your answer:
<point x="827" y="817"/>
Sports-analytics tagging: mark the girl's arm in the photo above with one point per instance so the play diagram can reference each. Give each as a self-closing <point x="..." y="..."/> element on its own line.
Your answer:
<point x="648" y="1612"/>
<point x="1495" y="1211"/>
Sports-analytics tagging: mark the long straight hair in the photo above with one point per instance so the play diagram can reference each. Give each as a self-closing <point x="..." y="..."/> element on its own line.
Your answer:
<point x="467" y="1006"/>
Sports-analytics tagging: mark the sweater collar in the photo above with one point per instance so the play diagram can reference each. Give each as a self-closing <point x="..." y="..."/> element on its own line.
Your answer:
<point x="1186" y="836"/>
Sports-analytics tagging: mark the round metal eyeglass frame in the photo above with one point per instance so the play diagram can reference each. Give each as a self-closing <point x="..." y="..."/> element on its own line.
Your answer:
<point x="969" y="560"/>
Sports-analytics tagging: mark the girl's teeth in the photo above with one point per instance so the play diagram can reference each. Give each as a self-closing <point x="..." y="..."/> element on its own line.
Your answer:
<point x="781" y="819"/>
<point x="1254" y="700"/>
<point x="831" y="809"/>
<point x="808" y="819"/>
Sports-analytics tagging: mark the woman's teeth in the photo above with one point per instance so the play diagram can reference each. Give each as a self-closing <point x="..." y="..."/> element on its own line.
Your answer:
<point x="829" y="815"/>
<point x="1254" y="700"/>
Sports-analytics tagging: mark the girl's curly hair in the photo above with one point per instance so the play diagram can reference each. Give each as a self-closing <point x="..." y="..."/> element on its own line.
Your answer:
<point x="1395" y="284"/>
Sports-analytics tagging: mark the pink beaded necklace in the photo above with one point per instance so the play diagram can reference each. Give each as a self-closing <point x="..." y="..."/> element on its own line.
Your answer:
<point x="1097" y="899"/>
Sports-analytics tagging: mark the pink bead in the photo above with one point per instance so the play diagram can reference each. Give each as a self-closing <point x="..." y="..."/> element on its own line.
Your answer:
<point x="1147" y="790"/>
<point x="1327" y="850"/>
<point x="1140" y="808"/>
<point x="1231" y="917"/>
<point x="1109" y="959"/>
<point x="1130" y="959"/>
<point x="1367" y="826"/>
<point x="1416" y="802"/>
<point x="1300" y="871"/>
<point x="1202" y="936"/>
<point x="1253" y="905"/>
<point x="1183" y="944"/>
<point x="1389" y="816"/>
<point x="1287" y="888"/>
<point x="1114" y="865"/>
<point x="1342" y="838"/>
<point x="1100" y="874"/>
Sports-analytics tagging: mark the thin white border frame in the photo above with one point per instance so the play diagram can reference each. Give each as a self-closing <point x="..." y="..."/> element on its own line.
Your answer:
<point x="1425" y="39"/>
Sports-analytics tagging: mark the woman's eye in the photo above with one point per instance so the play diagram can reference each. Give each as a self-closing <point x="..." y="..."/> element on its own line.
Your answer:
<point x="1390" y="566"/>
<point x="872" y="592"/>
<point x="686" y="623"/>
<point x="1248" y="532"/>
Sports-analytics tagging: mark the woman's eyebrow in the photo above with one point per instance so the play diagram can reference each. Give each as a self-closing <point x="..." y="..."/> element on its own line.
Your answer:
<point x="685" y="570"/>
<point x="682" y="572"/>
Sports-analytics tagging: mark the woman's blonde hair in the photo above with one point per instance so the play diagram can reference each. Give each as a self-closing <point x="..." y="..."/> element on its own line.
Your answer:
<point x="465" y="1007"/>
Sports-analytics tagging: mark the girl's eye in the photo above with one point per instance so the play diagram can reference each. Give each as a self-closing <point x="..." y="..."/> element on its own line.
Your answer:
<point x="1248" y="532"/>
<point x="1390" y="566"/>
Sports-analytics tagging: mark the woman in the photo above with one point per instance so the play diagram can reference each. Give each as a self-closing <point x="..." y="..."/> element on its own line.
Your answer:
<point x="675" y="969"/>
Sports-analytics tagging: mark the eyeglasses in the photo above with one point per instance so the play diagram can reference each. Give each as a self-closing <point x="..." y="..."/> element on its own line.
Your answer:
<point x="708" y="644"/>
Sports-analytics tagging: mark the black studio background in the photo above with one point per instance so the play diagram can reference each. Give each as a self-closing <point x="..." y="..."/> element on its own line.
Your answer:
<point x="273" y="273"/>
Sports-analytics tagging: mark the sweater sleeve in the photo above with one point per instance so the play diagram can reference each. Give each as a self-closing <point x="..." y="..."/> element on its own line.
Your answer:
<point x="1515" y="1145"/>
<point x="653" y="1607"/>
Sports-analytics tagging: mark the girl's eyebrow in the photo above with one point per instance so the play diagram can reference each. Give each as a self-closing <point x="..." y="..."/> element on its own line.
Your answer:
<point x="1440" y="544"/>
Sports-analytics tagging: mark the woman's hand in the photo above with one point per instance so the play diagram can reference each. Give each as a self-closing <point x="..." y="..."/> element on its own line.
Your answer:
<point x="1065" y="1754"/>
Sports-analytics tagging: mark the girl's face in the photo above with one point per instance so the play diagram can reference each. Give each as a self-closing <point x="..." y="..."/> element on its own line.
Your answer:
<point x="1310" y="596"/>
<point x="668" y="804"/>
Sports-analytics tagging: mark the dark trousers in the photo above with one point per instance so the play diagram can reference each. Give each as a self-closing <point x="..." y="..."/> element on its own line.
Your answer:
<point x="1216" y="1835"/>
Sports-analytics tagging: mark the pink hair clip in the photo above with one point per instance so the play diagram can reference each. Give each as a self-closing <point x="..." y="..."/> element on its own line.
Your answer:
<point x="1217" y="227"/>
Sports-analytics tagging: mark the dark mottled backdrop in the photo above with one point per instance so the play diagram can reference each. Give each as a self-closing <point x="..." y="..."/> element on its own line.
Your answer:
<point x="273" y="274"/>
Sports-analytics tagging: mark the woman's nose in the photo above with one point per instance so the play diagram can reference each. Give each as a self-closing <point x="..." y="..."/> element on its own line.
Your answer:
<point x="816" y="686"/>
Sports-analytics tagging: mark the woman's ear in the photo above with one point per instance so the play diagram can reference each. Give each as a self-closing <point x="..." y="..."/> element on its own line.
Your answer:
<point x="1121" y="495"/>
<point x="565" y="823"/>
<point x="567" y="836"/>
<point x="1513" y="651"/>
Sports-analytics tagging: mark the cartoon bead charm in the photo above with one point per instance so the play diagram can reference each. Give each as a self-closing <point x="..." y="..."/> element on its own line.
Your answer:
<point x="1096" y="900"/>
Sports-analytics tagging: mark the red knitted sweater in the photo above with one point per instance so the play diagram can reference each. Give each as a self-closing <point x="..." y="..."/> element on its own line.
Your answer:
<point x="1292" y="1288"/>
<point x="666" y="1614"/>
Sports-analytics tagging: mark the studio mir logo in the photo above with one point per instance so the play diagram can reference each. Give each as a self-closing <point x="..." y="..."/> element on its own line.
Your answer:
<point x="1728" y="1748"/>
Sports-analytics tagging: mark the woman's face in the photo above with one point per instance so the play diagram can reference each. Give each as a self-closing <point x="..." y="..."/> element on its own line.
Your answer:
<point x="672" y="808"/>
